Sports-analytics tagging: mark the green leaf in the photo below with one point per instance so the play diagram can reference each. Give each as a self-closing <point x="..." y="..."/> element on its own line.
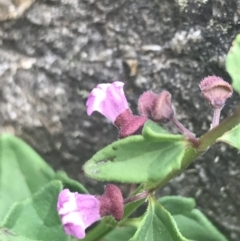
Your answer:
<point x="22" y="172"/>
<point x="233" y="63"/>
<point x="232" y="137"/>
<point x="177" y="204"/>
<point x="138" y="159"/>
<point x="7" y="235"/>
<point x="37" y="217"/>
<point x="69" y="183"/>
<point x="121" y="234"/>
<point x="153" y="131"/>
<point x="197" y="227"/>
<point x="131" y="207"/>
<point x="157" y="225"/>
<point x="191" y="222"/>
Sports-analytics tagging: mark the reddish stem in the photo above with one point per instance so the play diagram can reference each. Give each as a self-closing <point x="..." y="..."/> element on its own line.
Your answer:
<point x="216" y="117"/>
<point x="185" y="131"/>
<point x="137" y="197"/>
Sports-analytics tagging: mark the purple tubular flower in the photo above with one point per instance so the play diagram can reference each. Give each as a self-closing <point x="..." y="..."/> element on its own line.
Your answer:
<point x="77" y="212"/>
<point x="108" y="99"/>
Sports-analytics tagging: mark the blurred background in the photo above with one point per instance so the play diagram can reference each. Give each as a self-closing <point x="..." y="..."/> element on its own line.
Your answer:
<point x="53" y="52"/>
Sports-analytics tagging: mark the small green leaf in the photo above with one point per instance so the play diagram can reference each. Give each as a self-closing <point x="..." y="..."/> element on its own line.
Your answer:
<point x="154" y="132"/>
<point x="233" y="63"/>
<point x="157" y="225"/>
<point x="191" y="222"/>
<point x="197" y="227"/>
<point x="232" y="137"/>
<point x="177" y="204"/>
<point x="37" y="217"/>
<point x="166" y="160"/>
<point x="69" y="183"/>
<point x="22" y="172"/>
<point x="136" y="159"/>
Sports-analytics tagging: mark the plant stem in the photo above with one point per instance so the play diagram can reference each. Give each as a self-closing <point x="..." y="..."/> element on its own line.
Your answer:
<point x="205" y="141"/>
<point x="136" y="197"/>
<point x="216" y="117"/>
<point x="185" y="131"/>
<point x="226" y="125"/>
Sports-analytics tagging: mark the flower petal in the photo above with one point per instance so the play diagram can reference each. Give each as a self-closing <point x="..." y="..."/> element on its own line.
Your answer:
<point x="90" y="208"/>
<point x="77" y="212"/>
<point x="73" y="225"/>
<point x="108" y="99"/>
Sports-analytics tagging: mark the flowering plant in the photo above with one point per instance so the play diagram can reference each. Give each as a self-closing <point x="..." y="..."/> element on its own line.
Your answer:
<point x="40" y="204"/>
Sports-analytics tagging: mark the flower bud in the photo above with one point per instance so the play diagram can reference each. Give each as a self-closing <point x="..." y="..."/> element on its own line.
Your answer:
<point x="129" y="124"/>
<point x="215" y="90"/>
<point x="146" y="102"/>
<point x="162" y="108"/>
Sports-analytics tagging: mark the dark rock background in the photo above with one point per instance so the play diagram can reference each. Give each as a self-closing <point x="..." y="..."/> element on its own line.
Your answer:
<point x="53" y="54"/>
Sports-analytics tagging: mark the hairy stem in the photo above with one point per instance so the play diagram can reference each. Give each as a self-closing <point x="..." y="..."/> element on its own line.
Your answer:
<point x="205" y="141"/>
<point x="185" y="131"/>
<point x="136" y="197"/>
<point x="216" y="117"/>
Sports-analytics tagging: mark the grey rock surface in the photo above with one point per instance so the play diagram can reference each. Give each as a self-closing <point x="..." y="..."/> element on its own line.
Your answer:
<point x="58" y="50"/>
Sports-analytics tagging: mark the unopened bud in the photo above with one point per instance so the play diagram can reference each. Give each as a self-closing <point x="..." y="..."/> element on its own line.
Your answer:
<point x="111" y="202"/>
<point x="162" y="108"/>
<point x="146" y="102"/>
<point x="215" y="90"/>
<point x="129" y="124"/>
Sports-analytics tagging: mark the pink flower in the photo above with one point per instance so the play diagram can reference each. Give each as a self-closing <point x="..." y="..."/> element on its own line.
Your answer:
<point x="77" y="212"/>
<point x="108" y="99"/>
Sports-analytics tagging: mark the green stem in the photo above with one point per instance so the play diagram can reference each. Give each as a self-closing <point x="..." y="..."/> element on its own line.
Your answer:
<point x="205" y="141"/>
<point x="210" y="137"/>
<point x="185" y="131"/>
